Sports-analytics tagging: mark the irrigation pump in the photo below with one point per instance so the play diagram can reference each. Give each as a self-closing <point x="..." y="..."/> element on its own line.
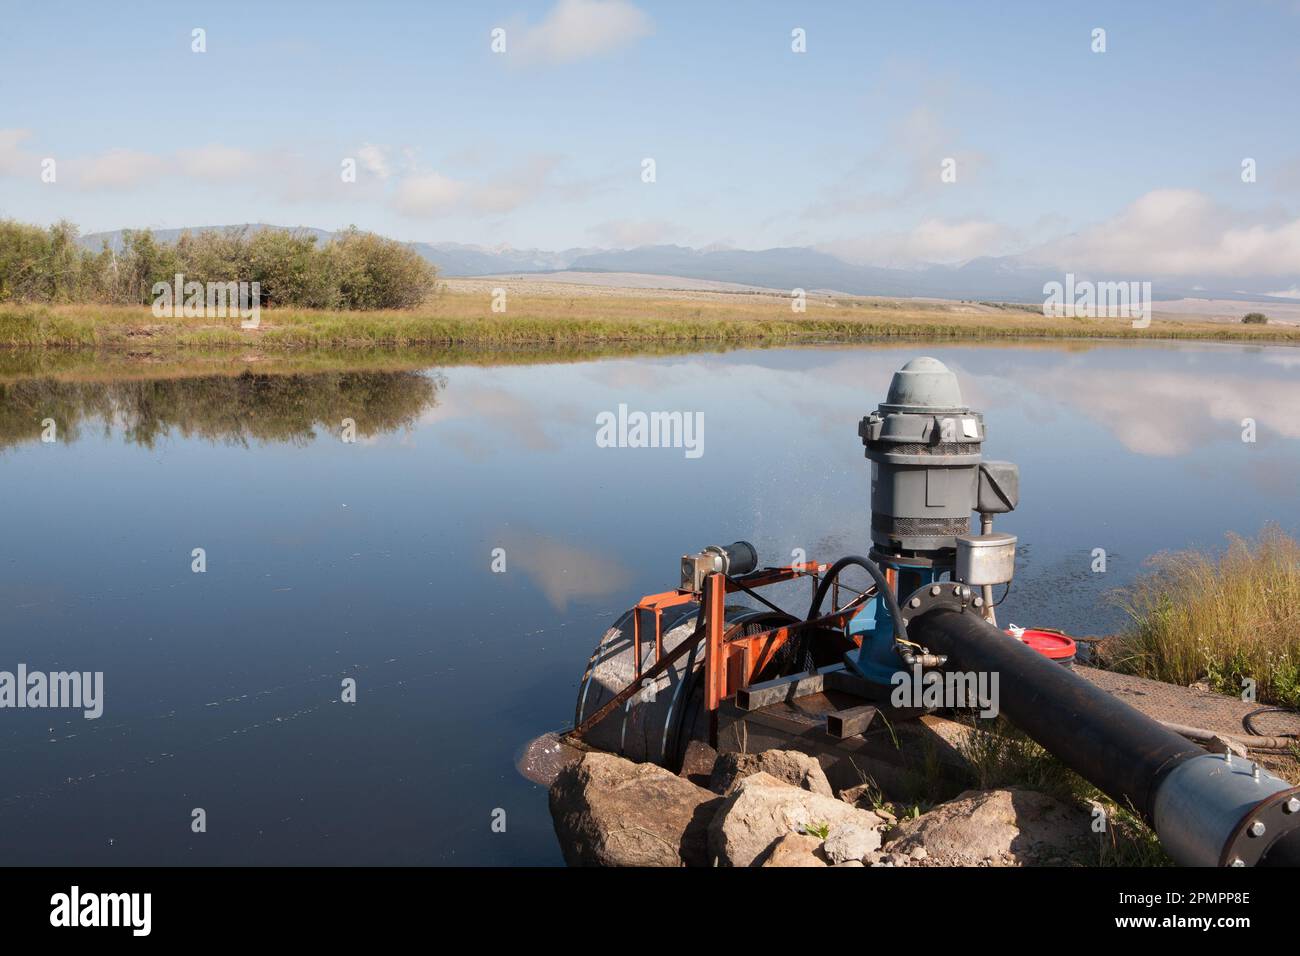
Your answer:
<point x="927" y="476"/>
<point x="688" y="664"/>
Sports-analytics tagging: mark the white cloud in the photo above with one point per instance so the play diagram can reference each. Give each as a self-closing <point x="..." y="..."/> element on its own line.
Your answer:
<point x="13" y="159"/>
<point x="116" y="169"/>
<point x="436" y="194"/>
<point x="630" y="233"/>
<point x="516" y="187"/>
<point x="216" y="162"/>
<point x="577" y="29"/>
<point x="374" y="160"/>
<point x="1180" y="232"/>
<point x="932" y="240"/>
<point x="428" y="194"/>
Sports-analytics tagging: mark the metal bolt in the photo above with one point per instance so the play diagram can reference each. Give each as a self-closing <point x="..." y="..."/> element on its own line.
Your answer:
<point x="1291" y="806"/>
<point x="1238" y="862"/>
<point x="915" y="602"/>
<point x="979" y="601"/>
<point x="1254" y="771"/>
<point x="1257" y="828"/>
<point x="935" y="590"/>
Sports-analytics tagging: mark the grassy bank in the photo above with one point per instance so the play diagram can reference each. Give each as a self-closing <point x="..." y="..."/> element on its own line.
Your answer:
<point x="465" y="319"/>
<point x="1221" y="619"/>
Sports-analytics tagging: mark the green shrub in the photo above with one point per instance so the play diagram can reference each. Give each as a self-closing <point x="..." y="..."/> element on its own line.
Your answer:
<point x="378" y="273"/>
<point x="1255" y="318"/>
<point x="355" y="270"/>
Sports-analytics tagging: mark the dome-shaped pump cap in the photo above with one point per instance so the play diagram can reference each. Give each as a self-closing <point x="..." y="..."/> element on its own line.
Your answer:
<point x="924" y="383"/>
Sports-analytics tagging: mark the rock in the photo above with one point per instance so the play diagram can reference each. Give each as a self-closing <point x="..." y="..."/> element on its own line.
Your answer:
<point x="795" y="768"/>
<point x="920" y="853"/>
<point x="1222" y="744"/>
<point x="698" y="762"/>
<point x="762" y="810"/>
<point x="794" y="849"/>
<point x="995" y="828"/>
<point x="850" y="841"/>
<point x="609" y="811"/>
<point x="851" y="863"/>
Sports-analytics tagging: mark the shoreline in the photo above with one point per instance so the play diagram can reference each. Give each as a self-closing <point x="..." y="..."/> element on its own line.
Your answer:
<point x="461" y="317"/>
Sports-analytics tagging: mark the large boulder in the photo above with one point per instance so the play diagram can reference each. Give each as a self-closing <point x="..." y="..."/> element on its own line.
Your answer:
<point x="791" y="766"/>
<point x="995" y="828"/>
<point x="762" y="809"/>
<point x="609" y="811"/>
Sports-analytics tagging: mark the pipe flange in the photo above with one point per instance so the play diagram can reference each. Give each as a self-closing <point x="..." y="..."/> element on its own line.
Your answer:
<point x="1263" y="826"/>
<point x="950" y="595"/>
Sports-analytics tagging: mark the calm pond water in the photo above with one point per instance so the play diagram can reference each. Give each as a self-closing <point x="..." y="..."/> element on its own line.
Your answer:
<point x="372" y="560"/>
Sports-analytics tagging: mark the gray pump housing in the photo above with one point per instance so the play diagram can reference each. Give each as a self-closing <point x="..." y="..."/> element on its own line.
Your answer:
<point x="927" y="471"/>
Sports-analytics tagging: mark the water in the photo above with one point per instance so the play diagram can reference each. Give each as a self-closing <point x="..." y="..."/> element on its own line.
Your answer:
<point x="372" y="561"/>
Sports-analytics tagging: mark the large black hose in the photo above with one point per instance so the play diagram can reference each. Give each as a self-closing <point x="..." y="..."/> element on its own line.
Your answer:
<point x="883" y="590"/>
<point x="1207" y="809"/>
<point x="1116" y="747"/>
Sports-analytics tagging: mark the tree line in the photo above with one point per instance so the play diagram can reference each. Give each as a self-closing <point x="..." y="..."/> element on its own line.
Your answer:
<point x="352" y="270"/>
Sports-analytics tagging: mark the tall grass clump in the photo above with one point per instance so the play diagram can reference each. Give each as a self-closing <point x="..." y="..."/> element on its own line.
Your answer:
<point x="1221" y="619"/>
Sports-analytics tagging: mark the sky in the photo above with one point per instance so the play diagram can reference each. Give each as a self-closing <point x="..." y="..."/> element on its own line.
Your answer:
<point x="1127" y="158"/>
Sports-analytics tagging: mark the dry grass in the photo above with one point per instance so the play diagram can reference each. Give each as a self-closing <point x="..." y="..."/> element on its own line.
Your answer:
<point x="1001" y="755"/>
<point x="465" y="319"/>
<point x="1221" y="619"/>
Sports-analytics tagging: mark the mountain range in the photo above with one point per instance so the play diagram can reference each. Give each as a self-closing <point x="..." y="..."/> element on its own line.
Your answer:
<point x="995" y="278"/>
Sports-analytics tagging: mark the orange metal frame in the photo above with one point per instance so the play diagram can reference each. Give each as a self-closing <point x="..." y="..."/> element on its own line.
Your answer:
<point x="732" y="664"/>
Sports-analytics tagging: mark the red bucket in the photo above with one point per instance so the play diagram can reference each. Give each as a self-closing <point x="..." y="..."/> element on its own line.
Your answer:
<point x="1051" y="644"/>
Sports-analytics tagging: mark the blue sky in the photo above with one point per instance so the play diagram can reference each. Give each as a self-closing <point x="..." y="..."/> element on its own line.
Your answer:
<point x="1061" y="153"/>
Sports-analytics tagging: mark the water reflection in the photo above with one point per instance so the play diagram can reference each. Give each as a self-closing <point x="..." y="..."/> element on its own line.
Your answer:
<point x="227" y="409"/>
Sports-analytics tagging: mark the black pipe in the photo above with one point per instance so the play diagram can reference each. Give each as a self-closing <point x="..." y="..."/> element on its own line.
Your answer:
<point x="1207" y="809"/>
<point x="1120" y="750"/>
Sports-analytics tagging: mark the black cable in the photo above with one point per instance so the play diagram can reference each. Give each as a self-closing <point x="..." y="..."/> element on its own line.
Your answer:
<point x="1248" y="723"/>
<point x="882" y="589"/>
